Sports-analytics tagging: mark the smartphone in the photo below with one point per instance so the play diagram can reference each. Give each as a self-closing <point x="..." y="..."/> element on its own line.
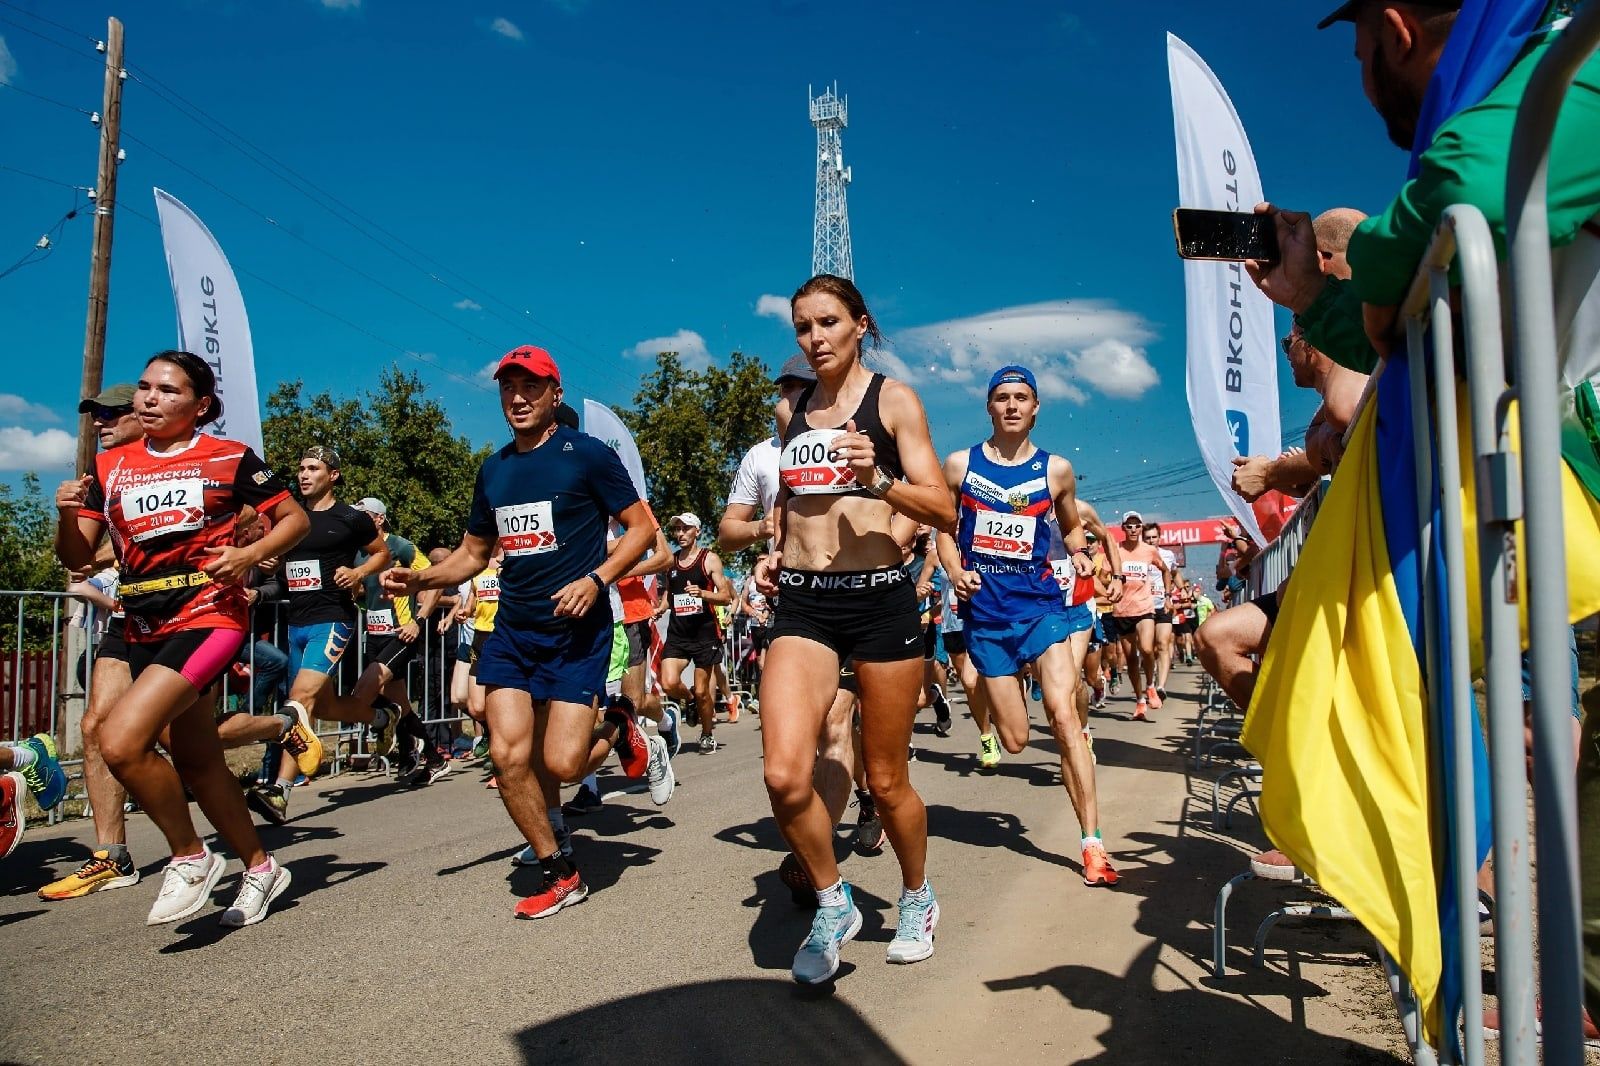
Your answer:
<point x="1225" y="235"/>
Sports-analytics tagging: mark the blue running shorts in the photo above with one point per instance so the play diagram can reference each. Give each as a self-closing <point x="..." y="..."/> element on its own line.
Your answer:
<point x="318" y="646"/>
<point x="566" y="665"/>
<point x="1001" y="650"/>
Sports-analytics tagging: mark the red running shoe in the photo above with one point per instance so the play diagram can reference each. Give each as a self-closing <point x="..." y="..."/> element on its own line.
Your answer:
<point x="1153" y="698"/>
<point x="560" y="892"/>
<point x="632" y="749"/>
<point x="1139" y="711"/>
<point x="733" y="709"/>
<point x="1097" y="866"/>
<point x="13" y="819"/>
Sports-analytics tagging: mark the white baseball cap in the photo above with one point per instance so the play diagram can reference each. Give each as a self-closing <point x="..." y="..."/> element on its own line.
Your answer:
<point x="686" y="520"/>
<point x="372" y="505"/>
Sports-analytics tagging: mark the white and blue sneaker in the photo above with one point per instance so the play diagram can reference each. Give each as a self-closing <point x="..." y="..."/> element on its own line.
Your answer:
<point x="913" y="937"/>
<point x="528" y="857"/>
<point x="833" y="927"/>
<point x="668" y="729"/>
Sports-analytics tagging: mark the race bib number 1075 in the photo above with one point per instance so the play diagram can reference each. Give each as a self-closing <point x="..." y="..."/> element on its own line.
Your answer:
<point x="526" y="528"/>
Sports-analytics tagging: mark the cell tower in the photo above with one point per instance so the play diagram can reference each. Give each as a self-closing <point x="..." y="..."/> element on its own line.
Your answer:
<point x="830" y="239"/>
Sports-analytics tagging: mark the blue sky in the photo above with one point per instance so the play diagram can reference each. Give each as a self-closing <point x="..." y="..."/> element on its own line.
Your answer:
<point x="603" y="177"/>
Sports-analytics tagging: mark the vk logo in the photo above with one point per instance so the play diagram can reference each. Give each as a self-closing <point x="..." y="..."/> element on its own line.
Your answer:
<point x="1239" y="429"/>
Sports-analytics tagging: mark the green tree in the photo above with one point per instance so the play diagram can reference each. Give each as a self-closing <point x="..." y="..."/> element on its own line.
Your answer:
<point x="27" y="563"/>
<point x="692" y="428"/>
<point x="393" y="443"/>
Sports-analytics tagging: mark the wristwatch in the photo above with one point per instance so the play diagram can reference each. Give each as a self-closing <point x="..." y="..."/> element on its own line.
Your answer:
<point x="880" y="484"/>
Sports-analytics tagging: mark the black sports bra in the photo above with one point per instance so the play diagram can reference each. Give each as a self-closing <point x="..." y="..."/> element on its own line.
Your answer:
<point x="867" y="420"/>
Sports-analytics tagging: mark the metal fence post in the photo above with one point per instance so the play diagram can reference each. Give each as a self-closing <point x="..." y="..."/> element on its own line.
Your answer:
<point x="1536" y="375"/>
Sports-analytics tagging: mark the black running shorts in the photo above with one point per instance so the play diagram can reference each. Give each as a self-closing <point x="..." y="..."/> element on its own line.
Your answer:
<point x="1128" y="628"/>
<point x="1267" y="605"/>
<point x="112" y="644"/>
<point x="638" y="634"/>
<point x="870" y="616"/>
<point x="955" y="642"/>
<point x="1163" y="618"/>
<point x="703" y="653"/>
<point x="392" y="652"/>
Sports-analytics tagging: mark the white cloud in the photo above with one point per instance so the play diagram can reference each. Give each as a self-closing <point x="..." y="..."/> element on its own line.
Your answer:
<point x="466" y="303"/>
<point x="770" y="306"/>
<point x="507" y="29"/>
<point x="884" y="360"/>
<point x="19" y="409"/>
<point x="341" y="5"/>
<point x="8" y="64"/>
<point x="487" y="372"/>
<point x="23" y="449"/>
<point x="1071" y="346"/>
<point x="690" y="346"/>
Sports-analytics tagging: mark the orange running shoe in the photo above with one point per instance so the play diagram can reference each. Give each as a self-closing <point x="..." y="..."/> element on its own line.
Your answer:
<point x="733" y="709"/>
<point x="1138" y="711"/>
<point x="1097" y="866"/>
<point x="1153" y="699"/>
<point x="556" y="893"/>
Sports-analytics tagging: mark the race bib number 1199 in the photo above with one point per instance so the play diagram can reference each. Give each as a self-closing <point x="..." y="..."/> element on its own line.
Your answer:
<point x="526" y="528"/>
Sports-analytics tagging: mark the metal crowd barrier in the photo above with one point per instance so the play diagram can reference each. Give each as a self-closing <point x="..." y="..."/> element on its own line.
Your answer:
<point x="1271" y="568"/>
<point x="44" y="649"/>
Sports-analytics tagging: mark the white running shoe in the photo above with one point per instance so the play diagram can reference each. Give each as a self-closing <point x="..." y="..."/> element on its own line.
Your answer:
<point x="185" y="888"/>
<point x="662" y="779"/>
<point x="913" y="936"/>
<point x="831" y="928"/>
<point x="256" y="891"/>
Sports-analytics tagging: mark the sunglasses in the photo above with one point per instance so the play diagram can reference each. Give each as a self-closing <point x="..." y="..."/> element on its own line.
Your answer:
<point x="109" y="414"/>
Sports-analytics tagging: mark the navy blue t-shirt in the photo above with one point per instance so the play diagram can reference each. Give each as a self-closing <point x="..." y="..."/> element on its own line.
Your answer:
<point x="549" y="508"/>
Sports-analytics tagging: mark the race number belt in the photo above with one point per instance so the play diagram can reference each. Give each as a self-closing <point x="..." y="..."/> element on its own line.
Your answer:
<point x="165" y="584"/>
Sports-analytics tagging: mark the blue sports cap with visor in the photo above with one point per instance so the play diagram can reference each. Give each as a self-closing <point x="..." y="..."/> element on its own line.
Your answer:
<point x="1008" y="375"/>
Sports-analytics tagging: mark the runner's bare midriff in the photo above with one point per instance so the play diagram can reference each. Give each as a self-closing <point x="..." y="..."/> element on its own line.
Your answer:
<point x="841" y="533"/>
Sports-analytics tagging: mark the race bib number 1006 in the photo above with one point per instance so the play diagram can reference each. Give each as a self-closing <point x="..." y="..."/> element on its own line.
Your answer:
<point x="162" y="507"/>
<point x="807" y="466"/>
<point x="526" y="528"/>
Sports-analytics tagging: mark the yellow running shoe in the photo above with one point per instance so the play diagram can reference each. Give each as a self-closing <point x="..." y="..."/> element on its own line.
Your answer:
<point x="302" y="742"/>
<point x="988" y="751"/>
<point x="99" y="874"/>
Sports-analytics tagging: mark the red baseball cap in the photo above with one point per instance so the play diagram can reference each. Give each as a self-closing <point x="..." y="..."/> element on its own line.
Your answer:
<point x="535" y="361"/>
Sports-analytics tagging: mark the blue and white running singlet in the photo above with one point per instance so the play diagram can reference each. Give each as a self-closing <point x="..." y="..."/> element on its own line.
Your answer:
<point x="1004" y="534"/>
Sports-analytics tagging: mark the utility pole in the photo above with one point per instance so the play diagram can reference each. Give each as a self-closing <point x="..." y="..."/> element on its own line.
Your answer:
<point x="94" y="337"/>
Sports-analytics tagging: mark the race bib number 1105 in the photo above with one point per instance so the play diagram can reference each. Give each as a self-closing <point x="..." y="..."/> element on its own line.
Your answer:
<point x="526" y="528"/>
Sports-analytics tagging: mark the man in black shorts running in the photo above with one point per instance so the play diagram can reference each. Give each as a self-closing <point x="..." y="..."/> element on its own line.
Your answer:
<point x="694" y="585"/>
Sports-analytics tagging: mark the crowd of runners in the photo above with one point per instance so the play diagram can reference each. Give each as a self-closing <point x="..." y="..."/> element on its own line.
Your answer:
<point x="582" y="627"/>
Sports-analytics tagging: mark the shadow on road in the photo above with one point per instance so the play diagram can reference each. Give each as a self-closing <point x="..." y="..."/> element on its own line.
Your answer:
<point x="311" y="873"/>
<point x="1152" y="1025"/>
<point x="711" y="1022"/>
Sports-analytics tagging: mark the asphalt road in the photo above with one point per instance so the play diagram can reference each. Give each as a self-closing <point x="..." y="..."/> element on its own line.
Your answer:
<point x="396" y="940"/>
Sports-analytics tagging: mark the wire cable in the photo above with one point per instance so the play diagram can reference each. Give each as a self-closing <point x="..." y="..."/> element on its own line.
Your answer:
<point x="46" y="99"/>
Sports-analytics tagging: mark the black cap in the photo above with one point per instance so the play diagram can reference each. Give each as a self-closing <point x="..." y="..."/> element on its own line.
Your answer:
<point x="566" y="416"/>
<point x="1348" y="11"/>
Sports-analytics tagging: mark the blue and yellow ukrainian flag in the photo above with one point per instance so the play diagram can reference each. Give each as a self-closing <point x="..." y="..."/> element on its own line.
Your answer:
<point x="1355" y="772"/>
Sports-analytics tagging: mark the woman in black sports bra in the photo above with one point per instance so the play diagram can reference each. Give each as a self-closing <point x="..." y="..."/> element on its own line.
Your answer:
<point x="856" y="452"/>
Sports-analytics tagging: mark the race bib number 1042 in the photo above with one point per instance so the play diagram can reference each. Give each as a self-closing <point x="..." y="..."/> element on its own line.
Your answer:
<point x="162" y="507"/>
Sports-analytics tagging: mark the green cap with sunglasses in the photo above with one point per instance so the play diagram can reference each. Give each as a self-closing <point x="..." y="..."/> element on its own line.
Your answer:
<point x="117" y="396"/>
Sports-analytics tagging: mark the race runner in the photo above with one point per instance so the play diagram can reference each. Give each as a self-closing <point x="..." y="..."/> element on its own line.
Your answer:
<point x="1009" y="490"/>
<point x="848" y="439"/>
<point x="1163" y="609"/>
<point x="695" y="585"/>
<point x="1134" y="615"/>
<point x="171" y="502"/>
<point x="546" y="499"/>
<point x="320" y="576"/>
<point x="109" y="865"/>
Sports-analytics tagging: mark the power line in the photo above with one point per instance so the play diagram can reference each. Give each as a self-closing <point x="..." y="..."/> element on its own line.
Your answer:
<point x="46" y="244"/>
<point x="472" y="382"/>
<point x="75" y="50"/>
<point x="343" y="212"/>
<point x="46" y="99"/>
<point x="40" y="18"/>
<point x="47" y="181"/>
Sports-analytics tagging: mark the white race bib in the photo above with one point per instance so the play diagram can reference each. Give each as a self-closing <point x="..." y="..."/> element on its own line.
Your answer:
<point x="488" y="588"/>
<point x="685" y="604"/>
<point x="1009" y="536"/>
<point x="526" y="528"/>
<point x="303" y="575"/>
<point x="1066" y="574"/>
<point x="380" y="623"/>
<point x="161" y="507"/>
<point x="806" y="466"/>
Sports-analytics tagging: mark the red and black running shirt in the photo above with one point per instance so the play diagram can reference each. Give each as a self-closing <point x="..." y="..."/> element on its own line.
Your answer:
<point x="165" y="510"/>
